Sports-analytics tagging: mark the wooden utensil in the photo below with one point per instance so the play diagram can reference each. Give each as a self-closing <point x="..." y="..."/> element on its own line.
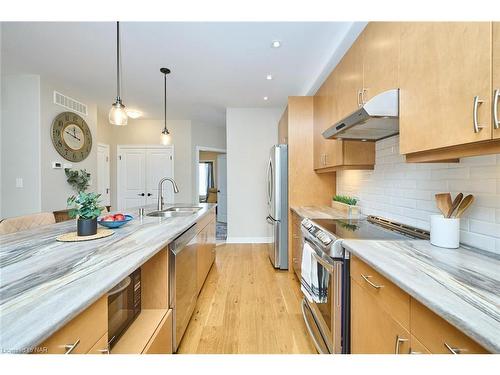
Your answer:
<point x="455" y="204"/>
<point x="466" y="202"/>
<point x="443" y="201"/>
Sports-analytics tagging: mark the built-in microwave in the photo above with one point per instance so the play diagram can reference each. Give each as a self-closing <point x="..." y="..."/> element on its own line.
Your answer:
<point x="124" y="305"/>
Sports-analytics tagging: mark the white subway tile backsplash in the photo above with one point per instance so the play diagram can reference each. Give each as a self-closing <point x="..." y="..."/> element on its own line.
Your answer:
<point x="404" y="192"/>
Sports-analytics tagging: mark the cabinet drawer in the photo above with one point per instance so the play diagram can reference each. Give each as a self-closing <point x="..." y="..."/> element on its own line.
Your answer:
<point x="161" y="341"/>
<point x="82" y="332"/>
<point x="373" y="330"/>
<point x="101" y="346"/>
<point x="438" y="335"/>
<point x="205" y="220"/>
<point x="391" y="298"/>
<point x="416" y="347"/>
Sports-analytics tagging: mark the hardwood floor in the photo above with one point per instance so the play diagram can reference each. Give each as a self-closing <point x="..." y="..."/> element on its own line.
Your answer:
<point x="247" y="307"/>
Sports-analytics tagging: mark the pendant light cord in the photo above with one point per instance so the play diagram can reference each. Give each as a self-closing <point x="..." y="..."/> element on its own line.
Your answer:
<point x="118" y="77"/>
<point x="165" y="101"/>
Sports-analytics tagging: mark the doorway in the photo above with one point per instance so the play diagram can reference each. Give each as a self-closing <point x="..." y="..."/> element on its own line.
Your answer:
<point x="103" y="173"/>
<point x="211" y="184"/>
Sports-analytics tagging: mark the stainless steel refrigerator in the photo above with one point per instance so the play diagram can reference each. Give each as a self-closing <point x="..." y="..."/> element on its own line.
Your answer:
<point x="277" y="205"/>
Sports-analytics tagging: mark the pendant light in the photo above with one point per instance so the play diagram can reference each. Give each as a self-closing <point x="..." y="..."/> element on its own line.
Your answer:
<point x="117" y="113"/>
<point x="166" y="138"/>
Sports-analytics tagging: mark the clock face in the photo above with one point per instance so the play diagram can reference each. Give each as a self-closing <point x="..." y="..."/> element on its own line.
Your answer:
<point x="71" y="136"/>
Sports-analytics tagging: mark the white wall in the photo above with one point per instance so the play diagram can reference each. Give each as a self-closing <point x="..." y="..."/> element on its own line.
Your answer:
<point x="250" y="133"/>
<point x="405" y="192"/>
<point x="20" y="145"/>
<point x="54" y="188"/>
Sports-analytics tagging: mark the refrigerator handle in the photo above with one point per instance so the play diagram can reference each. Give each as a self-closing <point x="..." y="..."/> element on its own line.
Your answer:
<point x="269" y="181"/>
<point x="270" y="220"/>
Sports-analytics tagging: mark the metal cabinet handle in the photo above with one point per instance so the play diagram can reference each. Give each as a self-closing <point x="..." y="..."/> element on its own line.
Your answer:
<point x="360" y="93"/>
<point x="454" y="350"/>
<point x="496" y="120"/>
<point x="363" y="90"/>
<point x="326" y="159"/>
<point x="104" y="351"/>
<point x="70" y="347"/>
<point x="477" y="127"/>
<point x="412" y="352"/>
<point x="367" y="279"/>
<point x="399" y="340"/>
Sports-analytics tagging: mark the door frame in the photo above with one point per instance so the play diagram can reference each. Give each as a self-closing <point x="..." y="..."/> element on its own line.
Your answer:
<point x="195" y="167"/>
<point x="119" y="150"/>
<point x="106" y="146"/>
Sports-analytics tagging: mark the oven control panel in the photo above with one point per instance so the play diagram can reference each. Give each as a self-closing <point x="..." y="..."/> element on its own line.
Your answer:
<point x="316" y="232"/>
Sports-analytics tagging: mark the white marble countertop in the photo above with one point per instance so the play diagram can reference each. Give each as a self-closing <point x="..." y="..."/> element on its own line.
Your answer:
<point x="44" y="283"/>
<point x="318" y="212"/>
<point x="461" y="285"/>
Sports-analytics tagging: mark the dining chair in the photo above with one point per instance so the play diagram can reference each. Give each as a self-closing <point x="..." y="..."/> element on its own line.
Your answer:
<point x="20" y="223"/>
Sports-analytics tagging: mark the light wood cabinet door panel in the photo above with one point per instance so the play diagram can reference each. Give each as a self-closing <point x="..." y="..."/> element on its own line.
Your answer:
<point x="496" y="79"/>
<point x="373" y="330"/>
<point x="205" y="253"/>
<point x="416" y="347"/>
<point x="81" y="333"/>
<point x="161" y="341"/>
<point x="320" y="120"/>
<point x="380" y="58"/>
<point x="390" y="297"/>
<point x="443" y="66"/>
<point x="348" y="81"/>
<point x="296" y="244"/>
<point x="438" y="335"/>
<point x="101" y="346"/>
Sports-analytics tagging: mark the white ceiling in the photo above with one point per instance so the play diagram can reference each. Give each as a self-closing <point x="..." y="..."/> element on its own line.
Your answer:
<point x="214" y="65"/>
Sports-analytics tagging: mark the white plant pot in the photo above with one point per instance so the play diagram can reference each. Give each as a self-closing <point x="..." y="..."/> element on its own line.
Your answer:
<point x="445" y="232"/>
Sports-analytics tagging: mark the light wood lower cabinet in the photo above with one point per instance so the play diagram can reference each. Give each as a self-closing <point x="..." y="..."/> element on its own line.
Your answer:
<point x="385" y="319"/>
<point x="81" y="333"/>
<point x="373" y="330"/>
<point x="161" y="341"/>
<point x="438" y="335"/>
<point x="205" y="252"/>
<point x="296" y="243"/>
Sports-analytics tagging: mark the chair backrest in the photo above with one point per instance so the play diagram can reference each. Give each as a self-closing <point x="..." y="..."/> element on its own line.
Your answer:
<point x="212" y="195"/>
<point x="17" y="224"/>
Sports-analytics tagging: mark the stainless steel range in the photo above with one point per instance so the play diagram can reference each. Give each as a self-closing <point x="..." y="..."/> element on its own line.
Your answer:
<point x="328" y="323"/>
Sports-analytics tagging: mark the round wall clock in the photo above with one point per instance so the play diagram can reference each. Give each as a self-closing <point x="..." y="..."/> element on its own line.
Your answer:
<point x="71" y="136"/>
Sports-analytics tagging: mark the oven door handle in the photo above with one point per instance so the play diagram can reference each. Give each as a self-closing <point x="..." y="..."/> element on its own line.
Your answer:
<point x="309" y="329"/>
<point x="320" y="260"/>
<point x="120" y="288"/>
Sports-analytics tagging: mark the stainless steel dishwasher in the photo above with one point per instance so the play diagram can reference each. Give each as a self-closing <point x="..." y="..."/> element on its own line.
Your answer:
<point x="182" y="281"/>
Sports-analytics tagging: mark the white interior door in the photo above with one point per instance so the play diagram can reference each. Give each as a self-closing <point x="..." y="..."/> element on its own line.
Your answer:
<point x="103" y="173"/>
<point x="222" y="188"/>
<point x="159" y="164"/>
<point x="132" y="178"/>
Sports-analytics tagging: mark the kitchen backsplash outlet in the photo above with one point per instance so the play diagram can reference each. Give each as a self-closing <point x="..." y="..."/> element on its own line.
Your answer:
<point x="404" y="192"/>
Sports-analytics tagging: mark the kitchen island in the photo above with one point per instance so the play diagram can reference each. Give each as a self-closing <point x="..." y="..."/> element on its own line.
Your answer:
<point x="45" y="283"/>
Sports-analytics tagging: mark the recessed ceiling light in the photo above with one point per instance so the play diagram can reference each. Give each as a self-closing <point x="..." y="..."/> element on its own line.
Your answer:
<point x="132" y="113"/>
<point x="265" y="98"/>
<point x="276" y="44"/>
<point x="269" y="77"/>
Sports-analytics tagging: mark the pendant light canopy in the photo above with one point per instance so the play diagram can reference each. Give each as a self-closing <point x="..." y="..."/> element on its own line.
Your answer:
<point x="117" y="113"/>
<point x="165" y="137"/>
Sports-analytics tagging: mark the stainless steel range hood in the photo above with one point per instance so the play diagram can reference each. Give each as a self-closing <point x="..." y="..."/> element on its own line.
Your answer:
<point x="376" y="119"/>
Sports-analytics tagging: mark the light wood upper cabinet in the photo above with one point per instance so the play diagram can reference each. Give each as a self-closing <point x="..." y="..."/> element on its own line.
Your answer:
<point x="380" y="58"/>
<point x="443" y="67"/>
<point x="496" y="78"/>
<point x="283" y="128"/>
<point x="348" y="81"/>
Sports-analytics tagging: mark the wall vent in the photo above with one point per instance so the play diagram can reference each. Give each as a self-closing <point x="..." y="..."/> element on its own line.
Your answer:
<point x="70" y="103"/>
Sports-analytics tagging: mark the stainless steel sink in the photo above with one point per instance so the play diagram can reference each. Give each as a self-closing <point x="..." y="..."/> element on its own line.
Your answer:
<point x="169" y="213"/>
<point x="191" y="209"/>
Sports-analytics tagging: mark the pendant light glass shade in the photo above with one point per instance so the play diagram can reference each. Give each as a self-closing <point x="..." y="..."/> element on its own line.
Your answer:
<point x="165" y="137"/>
<point x="117" y="114"/>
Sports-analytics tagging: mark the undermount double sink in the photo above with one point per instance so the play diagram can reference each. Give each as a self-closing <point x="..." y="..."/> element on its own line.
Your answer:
<point x="176" y="211"/>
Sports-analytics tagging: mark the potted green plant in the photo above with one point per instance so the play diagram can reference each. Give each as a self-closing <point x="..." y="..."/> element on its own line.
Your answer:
<point x="85" y="207"/>
<point x="78" y="179"/>
<point x="345" y="204"/>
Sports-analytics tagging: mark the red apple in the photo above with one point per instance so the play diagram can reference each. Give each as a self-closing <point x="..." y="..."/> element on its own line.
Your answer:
<point x="119" y="217"/>
<point x="108" y="218"/>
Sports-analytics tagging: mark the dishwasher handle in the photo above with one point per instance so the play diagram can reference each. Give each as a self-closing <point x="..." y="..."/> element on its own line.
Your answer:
<point x="177" y="245"/>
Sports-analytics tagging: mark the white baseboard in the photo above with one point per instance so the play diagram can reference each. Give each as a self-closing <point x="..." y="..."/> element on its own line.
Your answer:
<point x="249" y="239"/>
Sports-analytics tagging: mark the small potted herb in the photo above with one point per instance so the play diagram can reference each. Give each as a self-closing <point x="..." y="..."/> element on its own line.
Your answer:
<point x="85" y="207"/>
<point x="346" y="204"/>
